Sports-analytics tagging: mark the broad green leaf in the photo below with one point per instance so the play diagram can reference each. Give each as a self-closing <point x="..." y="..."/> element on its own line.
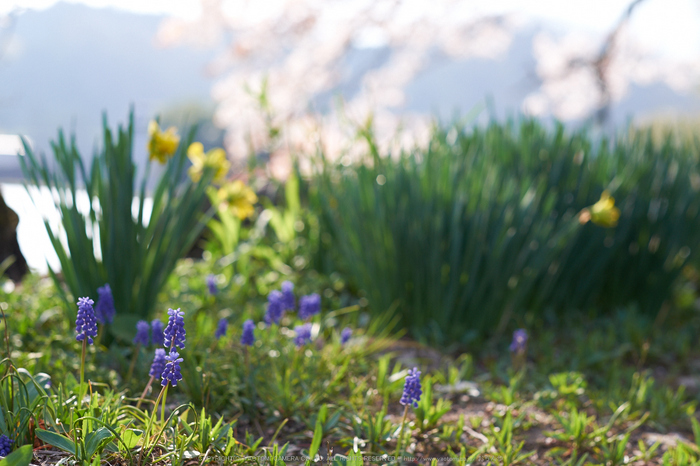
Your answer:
<point x="57" y="440"/>
<point x="20" y="457"/>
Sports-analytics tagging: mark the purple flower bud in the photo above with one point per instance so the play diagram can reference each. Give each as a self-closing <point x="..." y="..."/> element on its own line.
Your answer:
<point x="142" y="333"/>
<point x="171" y="372"/>
<point x="275" y="308"/>
<point x="248" y="337"/>
<point x="221" y="328"/>
<point x="345" y="335"/>
<point x="288" y="296"/>
<point x="303" y="335"/>
<point x="309" y="306"/>
<point x="158" y="363"/>
<point x="157" y="332"/>
<point x="104" y="310"/>
<point x="175" y="330"/>
<point x="85" y="323"/>
<point x="519" y="342"/>
<point x="412" y="388"/>
<point x="211" y="284"/>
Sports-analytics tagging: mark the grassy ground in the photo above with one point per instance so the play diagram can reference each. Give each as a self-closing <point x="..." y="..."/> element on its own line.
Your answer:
<point x="614" y="390"/>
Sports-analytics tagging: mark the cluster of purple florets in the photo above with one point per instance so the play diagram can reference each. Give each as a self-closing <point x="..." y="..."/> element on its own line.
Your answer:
<point x="221" y="328"/>
<point x="142" y="333"/>
<point x="157" y="332"/>
<point x="303" y="335"/>
<point x="211" y="284"/>
<point x="519" y="343"/>
<point x="104" y="310"/>
<point x="175" y="330"/>
<point x="248" y="337"/>
<point x="174" y="338"/>
<point x="5" y="445"/>
<point x="158" y="363"/>
<point x="171" y="372"/>
<point x="412" y="389"/>
<point x="86" y="323"/>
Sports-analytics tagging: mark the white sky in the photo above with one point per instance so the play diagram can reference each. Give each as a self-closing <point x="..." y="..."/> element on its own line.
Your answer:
<point x="669" y="27"/>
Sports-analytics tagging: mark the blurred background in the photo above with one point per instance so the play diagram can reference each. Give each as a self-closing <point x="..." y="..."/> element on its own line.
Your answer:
<point x="307" y="67"/>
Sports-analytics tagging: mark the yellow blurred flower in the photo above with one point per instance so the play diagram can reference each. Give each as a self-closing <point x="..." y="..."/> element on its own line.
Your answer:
<point x="603" y="213"/>
<point x="161" y="144"/>
<point x="235" y="197"/>
<point x="215" y="158"/>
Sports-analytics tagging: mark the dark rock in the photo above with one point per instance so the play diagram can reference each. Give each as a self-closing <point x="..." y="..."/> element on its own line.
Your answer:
<point x="8" y="243"/>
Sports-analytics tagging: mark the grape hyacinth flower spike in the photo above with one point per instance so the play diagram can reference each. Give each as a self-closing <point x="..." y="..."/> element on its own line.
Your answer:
<point x="86" y="327"/>
<point x="5" y="445"/>
<point x="303" y="335"/>
<point x="211" y="284"/>
<point x="104" y="310"/>
<point x="248" y="337"/>
<point x="175" y="330"/>
<point x="157" y="368"/>
<point x="288" y="300"/>
<point x="345" y="335"/>
<point x="158" y="364"/>
<point x="518" y="349"/>
<point x="157" y="333"/>
<point x="519" y="342"/>
<point x="412" y="389"/>
<point x="142" y="333"/>
<point x="412" y="392"/>
<point x="309" y="306"/>
<point x="275" y="307"/>
<point x="221" y="328"/>
<point x="85" y="323"/>
<point x="171" y="372"/>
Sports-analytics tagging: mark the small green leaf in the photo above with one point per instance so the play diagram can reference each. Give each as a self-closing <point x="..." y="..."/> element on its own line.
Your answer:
<point x="131" y="438"/>
<point x="93" y="440"/>
<point x="20" y="457"/>
<point x="318" y="436"/>
<point x="57" y="440"/>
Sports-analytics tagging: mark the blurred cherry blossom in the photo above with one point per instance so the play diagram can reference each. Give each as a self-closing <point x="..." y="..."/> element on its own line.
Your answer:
<point x="298" y="48"/>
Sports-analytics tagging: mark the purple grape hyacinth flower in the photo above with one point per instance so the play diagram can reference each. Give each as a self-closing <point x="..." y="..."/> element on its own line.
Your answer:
<point x="104" y="310"/>
<point x="345" y="335"/>
<point x="309" y="306"/>
<point x="171" y="372"/>
<point x="157" y="333"/>
<point x="221" y="328"/>
<point x="275" y="308"/>
<point x="142" y="333"/>
<point x="175" y="330"/>
<point x="248" y="337"/>
<point x="5" y="445"/>
<point x="519" y="342"/>
<point x="211" y="284"/>
<point x="412" y="389"/>
<point x="303" y="335"/>
<point x="288" y="300"/>
<point x="158" y="364"/>
<point x="85" y="323"/>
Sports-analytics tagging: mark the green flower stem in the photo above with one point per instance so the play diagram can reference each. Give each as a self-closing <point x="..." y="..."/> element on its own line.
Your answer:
<point x="133" y="363"/>
<point x="151" y="419"/>
<point x="145" y="391"/>
<point x="400" y="439"/>
<point x="81" y="390"/>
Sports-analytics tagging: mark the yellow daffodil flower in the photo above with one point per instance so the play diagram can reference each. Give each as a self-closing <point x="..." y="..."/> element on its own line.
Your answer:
<point x="161" y="144"/>
<point x="235" y="197"/>
<point x="603" y="213"/>
<point x="215" y="158"/>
